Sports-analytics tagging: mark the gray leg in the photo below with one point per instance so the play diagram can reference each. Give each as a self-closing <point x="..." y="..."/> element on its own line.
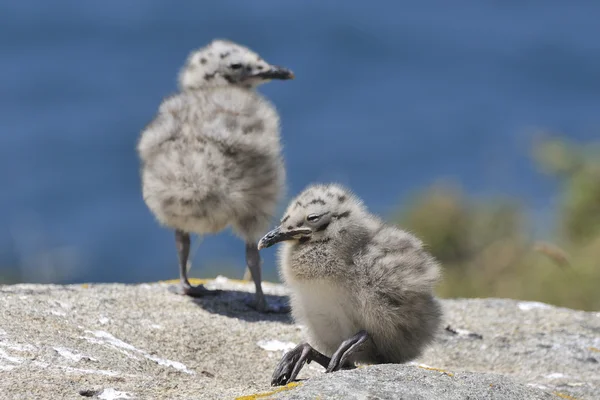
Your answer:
<point x="349" y="346"/>
<point x="259" y="303"/>
<point x="292" y="362"/>
<point x="182" y="241"/>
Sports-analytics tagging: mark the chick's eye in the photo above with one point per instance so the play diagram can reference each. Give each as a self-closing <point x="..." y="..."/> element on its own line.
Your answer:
<point x="313" y="218"/>
<point x="235" y="66"/>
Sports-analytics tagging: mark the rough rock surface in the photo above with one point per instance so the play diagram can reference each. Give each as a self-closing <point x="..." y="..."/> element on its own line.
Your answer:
<point x="406" y="382"/>
<point x="115" y="341"/>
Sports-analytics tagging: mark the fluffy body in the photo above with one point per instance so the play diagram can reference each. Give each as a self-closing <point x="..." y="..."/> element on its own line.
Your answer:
<point x="212" y="158"/>
<point x="356" y="273"/>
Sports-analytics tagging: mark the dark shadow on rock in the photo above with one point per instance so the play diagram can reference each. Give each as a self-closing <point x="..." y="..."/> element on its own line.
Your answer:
<point x="234" y="304"/>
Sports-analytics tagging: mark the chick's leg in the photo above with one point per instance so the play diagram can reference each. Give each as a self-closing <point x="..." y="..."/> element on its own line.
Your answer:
<point x="259" y="303"/>
<point x="292" y="362"/>
<point x="349" y="346"/>
<point x="182" y="241"/>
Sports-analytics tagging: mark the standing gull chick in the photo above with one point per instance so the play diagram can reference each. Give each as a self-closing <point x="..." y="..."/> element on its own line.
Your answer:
<point x="363" y="289"/>
<point x="211" y="158"/>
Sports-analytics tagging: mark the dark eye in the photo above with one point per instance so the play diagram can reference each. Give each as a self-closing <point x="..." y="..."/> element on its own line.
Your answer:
<point x="313" y="218"/>
<point x="235" y="66"/>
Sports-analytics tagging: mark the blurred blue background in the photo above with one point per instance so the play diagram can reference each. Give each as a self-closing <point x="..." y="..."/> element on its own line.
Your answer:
<point x="388" y="98"/>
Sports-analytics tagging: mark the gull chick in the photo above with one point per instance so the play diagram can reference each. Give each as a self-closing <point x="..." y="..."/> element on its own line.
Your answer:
<point x="211" y="157"/>
<point x="362" y="289"/>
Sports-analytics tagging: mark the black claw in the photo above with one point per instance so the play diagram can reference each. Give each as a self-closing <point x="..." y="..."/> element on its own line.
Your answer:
<point x="292" y="362"/>
<point x="300" y="363"/>
<point x="285" y="367"/>
<point x="349" y="346"/>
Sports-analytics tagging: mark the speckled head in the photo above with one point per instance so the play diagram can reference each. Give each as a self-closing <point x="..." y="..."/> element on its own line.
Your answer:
<point x="319" y="212"/>
<point x="223" y="63"/>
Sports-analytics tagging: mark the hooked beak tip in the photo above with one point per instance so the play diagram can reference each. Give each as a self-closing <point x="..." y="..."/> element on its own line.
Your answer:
<point x="276" y="72"/>
<point x="277" y="235"/>
<point x="269" y="239"/>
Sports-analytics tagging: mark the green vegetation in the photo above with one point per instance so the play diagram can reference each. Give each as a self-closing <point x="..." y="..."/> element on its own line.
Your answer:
<point x="486" y="247"/>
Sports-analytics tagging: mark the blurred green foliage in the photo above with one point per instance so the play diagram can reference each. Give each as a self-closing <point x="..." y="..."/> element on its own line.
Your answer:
<point x="486" y="246"/>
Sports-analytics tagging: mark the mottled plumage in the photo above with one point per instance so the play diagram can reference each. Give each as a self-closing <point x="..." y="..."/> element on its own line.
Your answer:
<point x="363" y="289"/>
<point x="211" y="158"/>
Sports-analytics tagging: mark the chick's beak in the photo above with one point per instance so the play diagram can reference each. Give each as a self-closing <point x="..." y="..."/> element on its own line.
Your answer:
<point x="278" y="235"/>
<point x="276" y="72"/>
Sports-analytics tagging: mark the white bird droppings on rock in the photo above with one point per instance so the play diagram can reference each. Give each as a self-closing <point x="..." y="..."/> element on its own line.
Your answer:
<point x="69" y="355"/>
<point x="17" y="347"/>
<point x="169" y="363"/>
<point x="537" y="386"/>
<point x="4" y="356"/>
<point x="530" y="305"/>
<point x="109" y="345"/>
<point x="112" y="394"/>
<point x="60" y="304"/>
<point x="275" y="345"/>
<point x="119" y="344"/>
<point x="91" y="371"/>
<point x="71" y="370"/>
<point x="110" y="339"/>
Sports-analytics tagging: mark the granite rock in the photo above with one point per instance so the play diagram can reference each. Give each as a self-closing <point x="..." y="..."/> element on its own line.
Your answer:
<point x="117" y="341"/>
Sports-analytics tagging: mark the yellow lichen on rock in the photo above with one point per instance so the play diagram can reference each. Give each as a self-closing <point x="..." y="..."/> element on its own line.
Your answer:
<point x="564" y="396"/>
<point x="436" y="369"/>
<point x="289" y="386"/>
<point x="193" y="281"/>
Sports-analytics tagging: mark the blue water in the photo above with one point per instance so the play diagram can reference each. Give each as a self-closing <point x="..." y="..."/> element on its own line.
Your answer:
<point x="389" y="98"/>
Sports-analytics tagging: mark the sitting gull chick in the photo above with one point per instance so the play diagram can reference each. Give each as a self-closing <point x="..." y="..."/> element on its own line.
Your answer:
<point x="211" y="158"/>
<point x="362" y="289"/>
